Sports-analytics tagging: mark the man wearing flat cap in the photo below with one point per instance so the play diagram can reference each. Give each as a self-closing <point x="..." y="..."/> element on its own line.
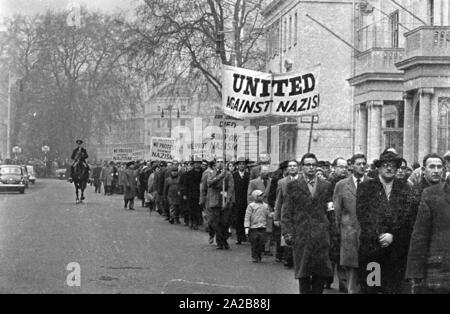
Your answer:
<point x="382" y="208"/>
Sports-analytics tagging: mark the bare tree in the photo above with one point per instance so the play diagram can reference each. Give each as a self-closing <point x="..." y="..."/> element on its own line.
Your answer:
<point x="74" y="80"/>
<point x="202" y="34"/>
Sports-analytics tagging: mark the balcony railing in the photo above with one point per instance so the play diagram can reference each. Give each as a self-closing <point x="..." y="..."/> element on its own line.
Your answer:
<point x="428" y="41"/>
<point x="379" y="60"/>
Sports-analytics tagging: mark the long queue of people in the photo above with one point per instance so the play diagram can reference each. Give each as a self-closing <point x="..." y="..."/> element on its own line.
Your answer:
<point x="379" y="228"/>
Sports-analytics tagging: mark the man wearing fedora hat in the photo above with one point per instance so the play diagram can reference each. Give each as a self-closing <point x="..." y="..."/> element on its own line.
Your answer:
<point x="382" y="209"/>
<point x="79" y="154"/>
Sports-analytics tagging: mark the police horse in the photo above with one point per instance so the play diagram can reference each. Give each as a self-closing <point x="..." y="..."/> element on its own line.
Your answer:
<point x="80" y="177"/>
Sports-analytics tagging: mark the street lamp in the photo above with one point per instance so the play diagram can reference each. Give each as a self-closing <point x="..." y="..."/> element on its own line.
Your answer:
<point x="169" y="108"/>
<point x="45" y="149"/>
<point x="16" y="150"/>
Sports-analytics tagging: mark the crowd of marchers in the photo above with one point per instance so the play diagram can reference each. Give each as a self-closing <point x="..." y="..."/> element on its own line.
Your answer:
<point x="378" y="228"/>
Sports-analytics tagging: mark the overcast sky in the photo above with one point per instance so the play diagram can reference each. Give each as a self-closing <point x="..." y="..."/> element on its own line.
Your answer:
<point x="30" y="7"/>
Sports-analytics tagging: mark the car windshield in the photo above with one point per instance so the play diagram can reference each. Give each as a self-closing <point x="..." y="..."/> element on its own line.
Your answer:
<point x="10" y="170"/>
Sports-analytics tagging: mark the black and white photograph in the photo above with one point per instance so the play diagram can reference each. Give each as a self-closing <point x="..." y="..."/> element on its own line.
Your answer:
<point x="225" y="152"/>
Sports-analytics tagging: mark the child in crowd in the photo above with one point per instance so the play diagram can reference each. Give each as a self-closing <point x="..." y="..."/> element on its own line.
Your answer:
<point x="255" y="224"/>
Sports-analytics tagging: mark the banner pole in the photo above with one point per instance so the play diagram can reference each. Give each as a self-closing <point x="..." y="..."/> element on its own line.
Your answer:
<point x="310" y="133"/>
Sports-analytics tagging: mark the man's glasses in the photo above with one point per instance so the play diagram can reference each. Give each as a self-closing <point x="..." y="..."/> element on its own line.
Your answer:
<point x="389" y="165"/>
<point x="310" y="165"/>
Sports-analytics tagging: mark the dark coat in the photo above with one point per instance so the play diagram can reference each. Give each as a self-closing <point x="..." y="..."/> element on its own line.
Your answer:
<point x="240" y="190"/>
<point x="215" y="187"/>
<point x="378" y="215"/>
<point x="160" y="180"/>
<point x="417" y="189"/>
<point x="190" y="184"/>
<point x="171" y="190"/>
<point x="96" y="172"/>
<point x="304" y="219"/>
<point x="429" y="253"/>
<point x="272" y="197"/>
<point x="129" y="181"/>
<point x="82" y="154"/>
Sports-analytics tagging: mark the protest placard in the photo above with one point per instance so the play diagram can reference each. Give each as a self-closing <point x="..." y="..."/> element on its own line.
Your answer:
<point x="162" y="148"/>
<point x="122" y="154"/>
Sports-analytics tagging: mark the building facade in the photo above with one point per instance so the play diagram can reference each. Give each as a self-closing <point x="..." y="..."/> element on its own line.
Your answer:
<point x="402" y="77"/>
<point x="174" y="109"/>
<point x="126" y="132"/>
<point x="296" y="41"/>
<point x="385" y="73"/>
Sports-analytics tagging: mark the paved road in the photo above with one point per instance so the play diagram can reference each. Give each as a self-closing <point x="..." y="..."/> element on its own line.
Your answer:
<point x="118" y="251"/>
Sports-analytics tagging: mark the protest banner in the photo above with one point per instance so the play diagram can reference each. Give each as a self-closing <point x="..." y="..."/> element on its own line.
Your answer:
<point x="162" y="148"/>
<point x="251" y="94"/>
<point x="122" y="154"/>
<point x="138" y="154"/>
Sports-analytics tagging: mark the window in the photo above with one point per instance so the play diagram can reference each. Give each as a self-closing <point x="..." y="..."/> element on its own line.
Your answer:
<point x="295" y="28"/>
<point x="277" y="39"/>
<point x="158" y="123"/>
<point x="183" y="108"/>
<point x="290" y="31"/>
<point x="182" y="122"/>
<point x="390" y="124"/>
<point x="393" y="25"/>
<point x="159" y="108"/>
<point x="284" y="35"/>
<point x="444" y="129"/>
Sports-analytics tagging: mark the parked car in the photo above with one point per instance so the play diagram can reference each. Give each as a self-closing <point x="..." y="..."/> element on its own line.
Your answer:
<point x="31" y="174"/>
<point x="12" y="178"/>
<point x="25" y="176"/>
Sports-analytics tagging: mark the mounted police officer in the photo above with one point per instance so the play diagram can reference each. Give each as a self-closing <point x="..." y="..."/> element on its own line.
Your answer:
<point x="79" y="154"/>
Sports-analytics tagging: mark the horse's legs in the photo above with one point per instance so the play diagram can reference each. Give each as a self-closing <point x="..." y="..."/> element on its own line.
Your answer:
<point x="83" y="187"/>
<point x="76" y="191"/>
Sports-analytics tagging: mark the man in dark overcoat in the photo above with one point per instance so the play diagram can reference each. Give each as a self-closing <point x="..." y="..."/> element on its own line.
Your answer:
<point x="428" y="264"/>
<point x="190" y="191"/>
<point x="129" y="182"/>
<point x="96" y="177"/>
<point x="305" y="223"/>
<point x="382" y="208"/>
<point x="241" y="179"/>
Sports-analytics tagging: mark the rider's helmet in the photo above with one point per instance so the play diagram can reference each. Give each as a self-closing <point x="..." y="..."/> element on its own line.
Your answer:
<point x="79" y="142"/>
